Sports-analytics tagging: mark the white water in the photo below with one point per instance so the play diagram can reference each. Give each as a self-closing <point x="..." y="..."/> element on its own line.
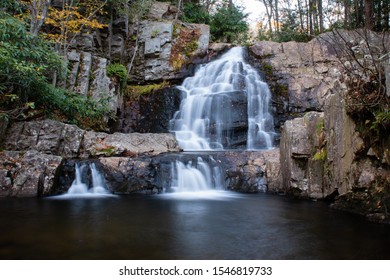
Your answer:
<point x="197" y="179"/>
<point x="78" y="188"/>
<point x="204" y="121"/>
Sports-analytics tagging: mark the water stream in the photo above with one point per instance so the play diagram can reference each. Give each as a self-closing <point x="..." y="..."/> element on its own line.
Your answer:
<point x="81" y="189"/>
<point x="225" y="105"/>
<point x="224" y="97"/>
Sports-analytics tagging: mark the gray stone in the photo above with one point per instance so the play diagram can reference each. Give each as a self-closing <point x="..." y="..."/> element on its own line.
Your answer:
<point x="84" y="73"/>
<point x="69" y="141"/>
<point x="156" y="41"/>
<point x="27" y="174"/>
<point x="301" y="155"/>
<point x="302" y="68"/>
<point x="153" y="46"/>
<point x="48" y="137"/>
<point x="158" y="10"/>
<point x="133" y="144"/>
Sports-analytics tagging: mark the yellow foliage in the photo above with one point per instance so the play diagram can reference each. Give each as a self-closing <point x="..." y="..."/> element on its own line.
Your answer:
<point x="69" y="21"/>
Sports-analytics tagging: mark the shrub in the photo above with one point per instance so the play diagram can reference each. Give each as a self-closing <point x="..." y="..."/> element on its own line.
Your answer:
<point x="118" y="70"/>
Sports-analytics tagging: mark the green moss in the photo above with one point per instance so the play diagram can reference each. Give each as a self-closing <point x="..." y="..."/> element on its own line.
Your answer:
<point x="267" y="68"/>
<point x="320" y="155"/>
<point x="190" y="47"/>
<point x="320" y="126"/>
<point x="105" y="151"/>
<point x="185" y="44"/>
<point x="136" y="91"/>
<point x="117" y="70"/>
<point x="155" y="33"/>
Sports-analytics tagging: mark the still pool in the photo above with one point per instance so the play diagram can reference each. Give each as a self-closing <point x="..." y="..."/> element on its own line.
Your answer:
<point x="212" y="226"/>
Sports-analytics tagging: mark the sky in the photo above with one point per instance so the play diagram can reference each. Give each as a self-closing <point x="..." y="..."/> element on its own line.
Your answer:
<point x="255" y="9"/>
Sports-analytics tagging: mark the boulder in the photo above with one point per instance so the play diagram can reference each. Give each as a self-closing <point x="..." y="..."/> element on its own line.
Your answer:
<point x="162" y="11"/>
<point x="343" y="142"/>
<point x="69" y="141"/>
<point x="97" y="144"/>
<point x="27" y="174"/>
<point x="48" y="137"/>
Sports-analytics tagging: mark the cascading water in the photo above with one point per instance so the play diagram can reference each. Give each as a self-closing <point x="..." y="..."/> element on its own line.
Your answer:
<point x="208" y="120"/>
<point x="195" y="176"/>
<point x="224" y="106"/>
<point x="81" y="189"/>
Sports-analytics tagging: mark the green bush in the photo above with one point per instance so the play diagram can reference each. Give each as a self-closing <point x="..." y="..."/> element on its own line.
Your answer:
<point x="195" y="13"/>
<point x="228" y="24"/>
<point x="118" y="70"/>
<point x="24" y="59"/>
<point x="70" y="107"/>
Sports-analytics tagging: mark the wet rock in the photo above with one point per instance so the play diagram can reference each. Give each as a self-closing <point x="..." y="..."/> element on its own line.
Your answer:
<point x="240" y="171"/>
<point x="150" y="113"/>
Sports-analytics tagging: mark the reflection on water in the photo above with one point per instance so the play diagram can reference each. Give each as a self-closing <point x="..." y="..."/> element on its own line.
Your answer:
<point x="228" y="226"/>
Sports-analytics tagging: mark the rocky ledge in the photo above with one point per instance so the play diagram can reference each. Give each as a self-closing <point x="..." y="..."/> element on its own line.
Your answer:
<point x="36" y="151"/>
<point x="40" y="158"/>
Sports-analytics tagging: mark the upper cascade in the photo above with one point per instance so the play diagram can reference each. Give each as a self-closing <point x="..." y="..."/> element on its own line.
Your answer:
<point x="223" y="97"/>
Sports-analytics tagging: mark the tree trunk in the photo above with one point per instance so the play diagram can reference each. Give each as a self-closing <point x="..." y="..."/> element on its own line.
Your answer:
<point x="386" y="17"/>
<point x="277" y="15"/>
<point x="320" y="16"/>
<point x="300" y="11"/>
<point x="38" y="10"/>
<point x="347" y="13"/>
<point x="368" y="15"/>
<point x="269" y="15"/>
<point x="310" y="15"/>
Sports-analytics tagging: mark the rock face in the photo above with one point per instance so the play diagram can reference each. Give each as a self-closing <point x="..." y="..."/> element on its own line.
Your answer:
<point x="240" y="171"/>
<point x="300" y="75"/>
<point x="69" y="141"/>
<point x="303" y="154"/>
<point x="326" y="151"/>
<point x="151" y="113"/>
<point x="159" y="42"/>
<point x="37" y="149"/>
<point x="27" y="174"/>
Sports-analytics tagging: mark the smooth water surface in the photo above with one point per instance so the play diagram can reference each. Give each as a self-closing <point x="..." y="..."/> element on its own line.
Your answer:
<point x="174" y="226"/>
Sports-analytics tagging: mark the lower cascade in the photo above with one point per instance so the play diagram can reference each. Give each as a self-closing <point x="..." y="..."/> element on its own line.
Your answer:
<point x="222" y="99"/>
<point x="195" y="176"/>
<point x="79" y="188"/>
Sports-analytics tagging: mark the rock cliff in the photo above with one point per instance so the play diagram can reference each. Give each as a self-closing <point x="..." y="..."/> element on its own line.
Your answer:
<point x="326" y="152"/>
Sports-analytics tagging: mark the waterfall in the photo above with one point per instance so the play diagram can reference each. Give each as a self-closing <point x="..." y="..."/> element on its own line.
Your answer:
<point x="195" y="176"/>
<point x="79" y="188"/>
<point x="212" y="112"/>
